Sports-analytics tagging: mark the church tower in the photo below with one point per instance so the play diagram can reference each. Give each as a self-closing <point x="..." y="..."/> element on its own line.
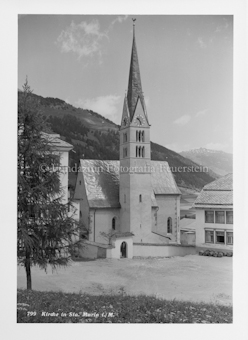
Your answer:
<point x="135" y="157"/>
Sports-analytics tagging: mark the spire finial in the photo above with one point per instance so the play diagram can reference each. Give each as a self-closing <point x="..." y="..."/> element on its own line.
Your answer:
<point x="134" y="19"/>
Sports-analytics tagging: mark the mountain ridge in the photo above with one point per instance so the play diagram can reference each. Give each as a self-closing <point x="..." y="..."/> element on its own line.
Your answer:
<point x="216" y="160"/>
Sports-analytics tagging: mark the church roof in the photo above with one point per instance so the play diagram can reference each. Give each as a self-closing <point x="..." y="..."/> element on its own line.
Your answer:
<point x="134" y="83"/>
<point x="101" y="178"/>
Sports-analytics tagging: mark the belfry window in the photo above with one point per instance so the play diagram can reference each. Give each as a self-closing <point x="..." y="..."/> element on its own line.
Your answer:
<point x="143" y="151"/>
<point x="140" y="136"/>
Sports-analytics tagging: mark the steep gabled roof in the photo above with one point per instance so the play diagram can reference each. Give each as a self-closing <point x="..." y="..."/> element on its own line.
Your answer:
<point x="134" y="91"/>
<point x="101" y="182"/>
<point x="101" y="179"/>
<point x="162" y="179"/>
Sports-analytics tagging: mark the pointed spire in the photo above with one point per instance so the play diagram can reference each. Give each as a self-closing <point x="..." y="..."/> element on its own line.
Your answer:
<point x="134" y="82"/>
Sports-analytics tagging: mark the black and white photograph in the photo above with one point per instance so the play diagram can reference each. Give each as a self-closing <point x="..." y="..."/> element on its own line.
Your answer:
<point x="126" y="163"/>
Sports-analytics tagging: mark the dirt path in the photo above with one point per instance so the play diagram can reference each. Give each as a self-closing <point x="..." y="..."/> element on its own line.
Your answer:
<point x="193" y="277"/>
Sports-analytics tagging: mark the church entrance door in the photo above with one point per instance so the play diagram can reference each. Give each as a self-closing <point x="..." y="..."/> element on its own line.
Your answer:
<point x="123" y="250"/>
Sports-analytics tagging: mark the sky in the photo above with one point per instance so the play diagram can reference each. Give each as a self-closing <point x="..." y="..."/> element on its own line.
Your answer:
<point x="186" y="65"/>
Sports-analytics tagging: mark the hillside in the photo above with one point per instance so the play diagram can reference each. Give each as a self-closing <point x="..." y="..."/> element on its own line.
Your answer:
<point x="55" y="107"/>
<point x="95" y="137"/>
<point x="218" y="161"/>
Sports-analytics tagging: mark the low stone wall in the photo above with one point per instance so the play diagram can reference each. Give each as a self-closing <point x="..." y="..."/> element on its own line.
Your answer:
<point x="162" y="250"/>
<point x="91" y="250"/>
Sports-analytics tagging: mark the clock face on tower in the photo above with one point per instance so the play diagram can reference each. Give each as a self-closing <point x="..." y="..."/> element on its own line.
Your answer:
<point x="139" y="120"/>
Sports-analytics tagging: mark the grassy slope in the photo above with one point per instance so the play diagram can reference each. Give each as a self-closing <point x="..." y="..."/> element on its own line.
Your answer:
<point x="121" y="308"/>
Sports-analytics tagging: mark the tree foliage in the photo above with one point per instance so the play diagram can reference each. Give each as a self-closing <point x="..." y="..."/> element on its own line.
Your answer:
<point x="46" y="233"/>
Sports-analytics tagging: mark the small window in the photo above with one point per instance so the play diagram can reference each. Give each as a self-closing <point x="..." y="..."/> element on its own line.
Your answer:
<point x="156" y="218"/>
<point x="124" y="152"/>
<point x="124" y="137"/>
<point x="113" y="223"/>
<point x="220" y="217"/>
<point x="229" y="238"/>
<point x="220" y="237"/>
<point x="137" y="136"/>
<point x="136" y="151"/>
<point x="124" y="198"/>
<point x="209" y="236"/>
<point x="169" y="225"/>
<point x="209" y="217"/>
<point x="80" y="182"/>
<point x="140" y="198"/>
<point x="80" y="213"/>
<point x="143" y="151"/>
<point x="229" y="217"/>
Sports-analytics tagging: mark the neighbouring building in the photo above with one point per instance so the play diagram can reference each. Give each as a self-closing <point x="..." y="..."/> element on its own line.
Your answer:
<point x="62" y="148"/>
<point x="187" y="231"/>
<point x="130" y="206"/>
<point x="214" y="215"/>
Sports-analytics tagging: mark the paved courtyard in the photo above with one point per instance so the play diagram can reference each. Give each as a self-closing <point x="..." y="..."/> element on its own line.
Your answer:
<point x="193" y="277"/>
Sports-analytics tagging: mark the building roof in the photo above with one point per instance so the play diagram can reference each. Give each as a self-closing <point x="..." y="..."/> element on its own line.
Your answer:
<point x="217" y="194"/>
<point x="56" y="141"/>
<point x="101" y="178"/>
<point x="119" y="234"/>
<point x="101" y="182"/>
<point x="163" y="181"/>
<point x="187" y="223"/>
<point x="224" y="183"/>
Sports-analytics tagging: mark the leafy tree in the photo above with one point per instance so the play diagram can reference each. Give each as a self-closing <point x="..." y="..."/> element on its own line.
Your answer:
<point x="46" y="234"/>
<point x="108" y="235"/>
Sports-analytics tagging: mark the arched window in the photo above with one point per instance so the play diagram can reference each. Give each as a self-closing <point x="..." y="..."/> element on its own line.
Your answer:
<point x="113" y="223"/>
<point x="137" y="136"/>
<point x="140" y="198"/>
<point x="169" y="225"/>
<point x="136" y="151"/>
<point x="143" y="151"/>
<point x="139" y="151"/>
<point x="143" y="136"/>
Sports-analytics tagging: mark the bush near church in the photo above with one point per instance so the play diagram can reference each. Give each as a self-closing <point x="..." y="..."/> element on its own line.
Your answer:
<point x="215" y="253"/>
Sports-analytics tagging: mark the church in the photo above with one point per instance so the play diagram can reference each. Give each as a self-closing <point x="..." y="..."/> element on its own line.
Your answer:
<point x="131" y="207"/>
